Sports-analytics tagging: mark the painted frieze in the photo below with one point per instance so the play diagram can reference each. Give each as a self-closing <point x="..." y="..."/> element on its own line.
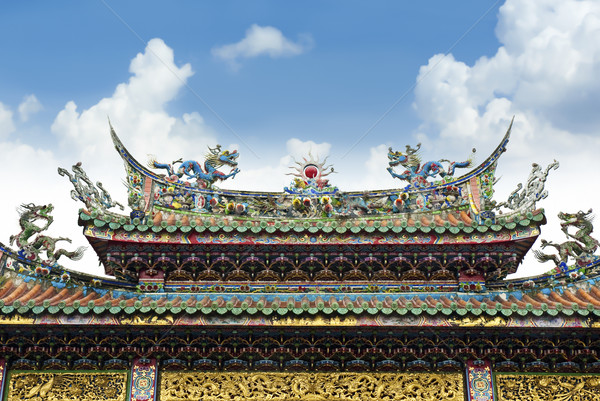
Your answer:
<point x="542" y="387"/>
<point x="182" y="386"/>
<point x="63" y="386"/>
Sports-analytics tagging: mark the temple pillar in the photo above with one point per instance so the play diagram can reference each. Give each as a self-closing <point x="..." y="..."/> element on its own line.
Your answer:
<point x="479" y="381"/>
<point x="144" y="376"/>
<point x="2" y="372"/>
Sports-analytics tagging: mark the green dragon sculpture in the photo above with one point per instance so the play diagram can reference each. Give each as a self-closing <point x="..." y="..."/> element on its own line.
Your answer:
<point x="29" y="214"/>
<point x="584" y="246"/>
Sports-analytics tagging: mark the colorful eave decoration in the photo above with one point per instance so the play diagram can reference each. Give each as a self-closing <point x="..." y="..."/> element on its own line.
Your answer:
<point x="188" y="234"/>
<point x="309" y="279"/>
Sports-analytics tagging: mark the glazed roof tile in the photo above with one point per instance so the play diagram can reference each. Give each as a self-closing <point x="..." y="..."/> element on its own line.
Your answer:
<point x="452" y="221"/>
<point x="42" y="296"/>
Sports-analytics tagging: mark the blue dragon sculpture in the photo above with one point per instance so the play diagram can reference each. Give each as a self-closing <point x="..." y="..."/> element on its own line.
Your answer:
<point x="416" y="173"/>
<point x="206" y="177"/>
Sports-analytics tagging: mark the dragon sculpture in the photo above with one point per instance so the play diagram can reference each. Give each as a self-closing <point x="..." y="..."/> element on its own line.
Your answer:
<point x="206" y="177"/>
<point x="29" y="214"/>
<point x="583" y="246"/>
<point x="534" y="190"/>
<point x="85" y="191"/>
<point x="416" y="173"/>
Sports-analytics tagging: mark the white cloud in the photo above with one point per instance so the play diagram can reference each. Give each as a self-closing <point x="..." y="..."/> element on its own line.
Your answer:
<point x="37" y="167"/>
<point x="259" y="41"/>
<point x="271" y="174"/>
<point x="377" y="176"/>
<point x="360" y="171"/>
<point x="28" y="107"/>
<point x="546" y="74"/>
<point x="548" y="63"/>
<point x="299" y="149"/>
<point x="137" y="111"/>
<point x="7" y="126"/>
<point x="461" y="106"/>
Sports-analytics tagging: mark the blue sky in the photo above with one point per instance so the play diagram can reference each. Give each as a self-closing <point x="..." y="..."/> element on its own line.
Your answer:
<point x="276" y="79"/>
<point x="362" y="59"/>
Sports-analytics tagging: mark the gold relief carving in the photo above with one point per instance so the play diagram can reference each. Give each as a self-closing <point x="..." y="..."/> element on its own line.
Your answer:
<point x="16" y="319"/>
<point x="548" y="387"/>
<point x="83" y="386"/>
<point x="136" y="320"/>
<point x="187" y="386"/>
<point x="314" y="321"/>
<point x="481" y="321"/>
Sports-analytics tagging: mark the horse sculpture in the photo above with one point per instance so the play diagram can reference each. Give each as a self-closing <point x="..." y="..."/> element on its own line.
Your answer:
<point x="28" y="215"/>
<point x="581" y="249"/>
<point x="192" y="169"/>
<point x="416" y="174"/>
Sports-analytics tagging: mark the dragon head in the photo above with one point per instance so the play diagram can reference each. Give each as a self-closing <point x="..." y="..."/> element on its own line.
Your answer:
<point x="220" y="157"/>
<point x="46" y="210"/>
<point x="407" y="159"/>
<point x="36" y="211"/>
<point x="396" y="158"/>
<point x="575" y="218"/>
<point x="229" y="158"/>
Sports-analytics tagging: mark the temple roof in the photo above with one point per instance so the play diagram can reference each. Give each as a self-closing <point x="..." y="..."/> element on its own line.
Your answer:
<point x="452" y="222"/>
<point x="169" y="199"/>
<point x="432" y="248"/>
<point x="447" y="180"/>
<point x="44" y="298"/>
<point x="27" y="294"/>
<point x="436" y="216"/>
<point x="412" y="278"/>
<point x="512" y="235"/>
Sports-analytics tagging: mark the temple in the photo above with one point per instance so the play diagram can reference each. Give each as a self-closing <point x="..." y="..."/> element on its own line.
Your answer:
<point x="313" y="293"/>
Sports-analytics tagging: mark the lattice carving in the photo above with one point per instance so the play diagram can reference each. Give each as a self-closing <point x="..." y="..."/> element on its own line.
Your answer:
<point x="310" y="386"/>
<point x="548" y="387"/>
<point x="93" y="386"/>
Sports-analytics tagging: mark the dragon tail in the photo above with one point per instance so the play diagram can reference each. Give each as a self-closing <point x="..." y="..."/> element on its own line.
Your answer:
<point x="152" y="163"/>
<point x="542" y="257"/>
<point x="77" y="254"/>
<point x="466" y="164"/>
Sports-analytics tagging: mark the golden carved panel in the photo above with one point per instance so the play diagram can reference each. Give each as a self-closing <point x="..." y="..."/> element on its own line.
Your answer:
<point x="548" y="387"/>
<point x="81" y="386"/>
<point x="236" y="386"/>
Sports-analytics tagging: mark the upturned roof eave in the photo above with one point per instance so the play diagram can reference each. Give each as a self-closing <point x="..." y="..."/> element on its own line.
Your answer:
<point x="34" y="296"/>
<point x="488" y="163"/>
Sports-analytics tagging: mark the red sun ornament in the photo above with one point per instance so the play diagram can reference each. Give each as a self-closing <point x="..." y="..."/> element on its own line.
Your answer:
<point x="311" y="171"/>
